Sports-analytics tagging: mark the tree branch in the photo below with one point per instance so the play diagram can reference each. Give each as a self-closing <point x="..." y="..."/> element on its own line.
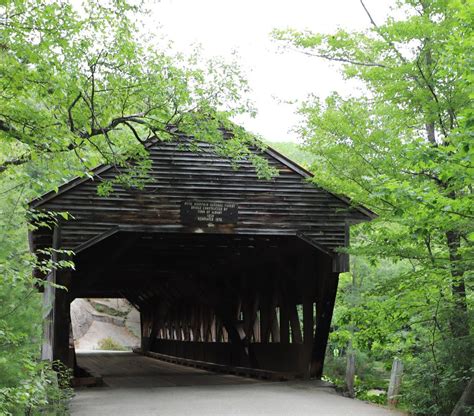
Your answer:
<point x="14" y="162"/>
<point x="433" y="94"/>
<point x="344" y="60"/>
<point x="135" y="133"/>
<point x="12" y="131"/>
<point x="69" y="112"/>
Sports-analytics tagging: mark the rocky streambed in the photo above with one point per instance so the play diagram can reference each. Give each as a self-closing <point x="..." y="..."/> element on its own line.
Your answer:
<point x="105" y="324"/>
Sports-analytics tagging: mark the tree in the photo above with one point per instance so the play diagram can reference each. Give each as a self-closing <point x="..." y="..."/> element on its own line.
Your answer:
<point x="80" y="86"/>
<point x="405" y="150"/>
<point x="84" y="82"/>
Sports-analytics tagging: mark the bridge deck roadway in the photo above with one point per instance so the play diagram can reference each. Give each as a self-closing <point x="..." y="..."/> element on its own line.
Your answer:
<point x="137" y="385"/>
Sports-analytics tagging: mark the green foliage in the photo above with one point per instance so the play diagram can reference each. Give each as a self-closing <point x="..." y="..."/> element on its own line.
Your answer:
<point x="80" y="86"/>
<point x="381" y="322"/>
<point x="27" y="386"/>
<point x="109" y="344"/>
<point x="404" y="149"/>
<point x="42" y="391"/>
<point x="295" y="152"/>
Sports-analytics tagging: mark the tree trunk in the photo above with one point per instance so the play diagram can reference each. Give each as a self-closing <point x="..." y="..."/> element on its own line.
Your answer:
<point x="459" y="322"/>
<point x="466" y="403"/>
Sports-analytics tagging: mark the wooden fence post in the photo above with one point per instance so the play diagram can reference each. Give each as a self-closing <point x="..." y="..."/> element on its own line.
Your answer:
<point x="350" y="373"/>
<point x="395" y="382"/>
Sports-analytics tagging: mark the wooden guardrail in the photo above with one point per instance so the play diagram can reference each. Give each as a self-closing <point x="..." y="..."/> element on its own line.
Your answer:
<point x="220" y="368"/>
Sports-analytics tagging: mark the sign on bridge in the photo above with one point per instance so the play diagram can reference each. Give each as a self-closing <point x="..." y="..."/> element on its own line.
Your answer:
<point x="205" y="212"/>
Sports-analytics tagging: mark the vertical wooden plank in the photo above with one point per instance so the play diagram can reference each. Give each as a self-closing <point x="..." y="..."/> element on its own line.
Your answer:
<point x="250" y="316"/>
<point x="256" y="327"/>
<point x="205" y="324"/>
<point x="308" y="322"/>
<point x="62" y="319"/>
<point x="192" y="324"/>
<point x="201" y="323"/>
<point x="58" y="318"/>
<point x="284" y="321"/>
<point x="350" y="373"/>
<point x="178" y="320"/>
<point x="219" y="334"/>
<point x="275" y="327"/>
<point x="49" y="296"/>
<point x="187" y="324"/>
<point x="155" y="327"/>
<point x="395" y="382"/>
<point x="48" y="319"/>
<point x="296" y="336"/>
<point x="197" y="324"/>
<point x="213" y="327"/>
<point x="170" y="329"/>
<point x="323" y="323"/>
<point x="264" y="318"/>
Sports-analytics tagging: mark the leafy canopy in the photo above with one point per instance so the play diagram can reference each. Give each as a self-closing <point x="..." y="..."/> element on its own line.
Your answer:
<point x="405" y="149"/>
<point x="80" y="85"/>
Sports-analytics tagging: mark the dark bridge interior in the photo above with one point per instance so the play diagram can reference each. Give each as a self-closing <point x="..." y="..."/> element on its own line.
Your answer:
<point x="227" y="299"/>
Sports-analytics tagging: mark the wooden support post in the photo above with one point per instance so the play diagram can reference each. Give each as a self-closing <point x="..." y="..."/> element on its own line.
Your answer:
<point x="156" y="325"/>
<point x="219" y="333"/>
<point x="49" y="297"/>
<point x="213" y="327"/>
<point x="308" y="322"/>
<point x="56" y="313"/>
<point x="284" y="321"/>
<point x="256" y="327"/>
<point x="265" y="319"/>
<point x="206" y="325"/>
<point x="308" y="331"/>
<point x="275" y="327"/>
<point x="196" y="324"/>
<point x="325" y="308"/>
<point x="283" y="303"/>
<point x="274" y="316"/>
<point x="250" y="316"/>
<point x="187" y="336"/>
<point x="235" y="333"/>
<point x="62" y="319"/>
<point x="201" y="324"/>
<point x="144" y="324"/>
<point x="296" y="336"/>
<point x="395" y="382"/>
<point x="48" y="318"/>
<point x="350" y="373"/>
<point x="179" y="329"/>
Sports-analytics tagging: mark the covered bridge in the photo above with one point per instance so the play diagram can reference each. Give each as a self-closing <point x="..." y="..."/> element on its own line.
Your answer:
<point x="223" y="267"/>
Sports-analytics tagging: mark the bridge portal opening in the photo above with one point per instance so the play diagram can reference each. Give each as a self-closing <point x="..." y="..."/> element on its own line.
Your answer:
<point x="232" y="300"/>
<point x="104" y="324"/>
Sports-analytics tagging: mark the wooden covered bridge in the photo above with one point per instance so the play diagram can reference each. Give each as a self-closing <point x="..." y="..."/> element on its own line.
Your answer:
<point x="223" y="267"/>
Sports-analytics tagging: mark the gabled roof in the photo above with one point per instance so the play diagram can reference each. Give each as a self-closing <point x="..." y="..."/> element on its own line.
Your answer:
<point x="153" y="141"/>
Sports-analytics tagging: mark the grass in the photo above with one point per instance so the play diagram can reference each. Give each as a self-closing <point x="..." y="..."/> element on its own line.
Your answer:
<point x="110" y="345"/>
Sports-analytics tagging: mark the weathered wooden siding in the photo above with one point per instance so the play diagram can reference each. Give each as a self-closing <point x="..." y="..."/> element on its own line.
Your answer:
<point x="284" y="205"/>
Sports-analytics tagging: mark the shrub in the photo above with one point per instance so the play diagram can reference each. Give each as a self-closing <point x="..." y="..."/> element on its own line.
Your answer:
<point x="110" y="345"/>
